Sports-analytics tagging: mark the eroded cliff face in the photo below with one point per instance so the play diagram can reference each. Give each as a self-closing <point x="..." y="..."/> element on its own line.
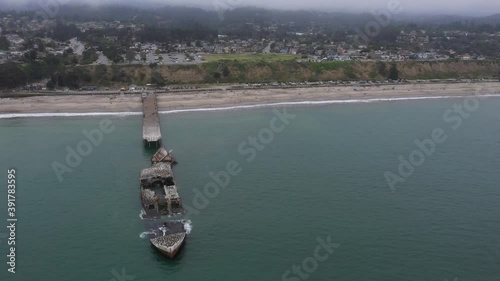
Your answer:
<point x="450" y="69"/>
<point x="292" y="71"/>
<point x="255" y="72"/>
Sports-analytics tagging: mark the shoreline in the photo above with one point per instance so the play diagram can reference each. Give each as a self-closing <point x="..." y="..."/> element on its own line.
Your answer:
<point x="236" y="107"/>
<point x="169" y="103"/>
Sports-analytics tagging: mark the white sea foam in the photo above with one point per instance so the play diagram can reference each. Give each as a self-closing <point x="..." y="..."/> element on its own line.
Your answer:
<point x="141" y="215"/>
<point x="188" y="226"/>
<point x="145" y="234"/>
<point x="58" y="114"/>
<point x="236" y="107"/>
<point x="322" y="102"/>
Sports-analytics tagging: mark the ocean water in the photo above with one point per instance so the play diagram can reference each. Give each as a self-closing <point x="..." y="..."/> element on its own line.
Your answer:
<point x="319" y="177"/>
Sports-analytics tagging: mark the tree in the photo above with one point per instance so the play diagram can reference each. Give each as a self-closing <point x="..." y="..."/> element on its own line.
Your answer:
<point x="113" y="53"/>
<point x="4" y="43"/>
<point x="11" y="76"/>
<point x="31" y="56"/>
<point x="89" y="56"/>
<point x="28" y="44"/>
<point x="50" y="85"/>
<point x="130" y="55"/>
<point x="381" y="68"/>
<point x="62" y="32"/>
<point x="157" y="78"/>
<point x="41" y="46"/>
<point x="226" y="72"/>
<point x="394" y="72"/>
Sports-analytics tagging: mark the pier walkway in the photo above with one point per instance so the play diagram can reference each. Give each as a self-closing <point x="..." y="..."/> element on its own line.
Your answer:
<point x="151" y="133"/>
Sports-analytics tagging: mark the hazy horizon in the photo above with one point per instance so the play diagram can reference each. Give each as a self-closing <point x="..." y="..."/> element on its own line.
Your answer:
<point x="423" y="7"/>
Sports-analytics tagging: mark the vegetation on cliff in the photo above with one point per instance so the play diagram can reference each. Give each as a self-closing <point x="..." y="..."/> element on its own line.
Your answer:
<point x="235" y="71"/>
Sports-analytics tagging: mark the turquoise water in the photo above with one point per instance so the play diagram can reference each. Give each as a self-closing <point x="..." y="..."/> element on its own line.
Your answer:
<point x="323" y="175"/>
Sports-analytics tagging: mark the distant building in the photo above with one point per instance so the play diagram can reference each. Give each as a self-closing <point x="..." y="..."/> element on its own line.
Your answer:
<point x="466" y="57"/>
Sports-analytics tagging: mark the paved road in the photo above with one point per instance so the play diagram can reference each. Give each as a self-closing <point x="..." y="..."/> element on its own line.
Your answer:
<point x="77" y="46"/>
<point x="267" y="49"/>
<point x="169" y="59"/>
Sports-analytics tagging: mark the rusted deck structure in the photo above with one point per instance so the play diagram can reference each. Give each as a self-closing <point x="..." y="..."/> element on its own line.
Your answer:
<point x="151" y="133"/>
<point x="162" y="155"/>
<point x="159" y="196"/>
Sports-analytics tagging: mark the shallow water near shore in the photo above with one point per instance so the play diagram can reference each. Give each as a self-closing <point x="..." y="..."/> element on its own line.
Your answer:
<point x="322" y="175"/>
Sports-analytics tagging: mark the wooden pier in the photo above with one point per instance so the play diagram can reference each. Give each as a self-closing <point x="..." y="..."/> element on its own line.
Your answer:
<point x="151" y="133"/>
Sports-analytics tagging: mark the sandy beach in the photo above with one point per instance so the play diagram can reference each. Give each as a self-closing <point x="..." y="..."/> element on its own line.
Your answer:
<point x="194" y="100"/>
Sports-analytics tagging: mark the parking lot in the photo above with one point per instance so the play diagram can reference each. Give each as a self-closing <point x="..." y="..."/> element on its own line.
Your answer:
<point x="172" y="58"/>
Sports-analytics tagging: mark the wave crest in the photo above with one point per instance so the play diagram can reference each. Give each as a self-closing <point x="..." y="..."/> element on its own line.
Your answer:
<point x="293" y="103"/>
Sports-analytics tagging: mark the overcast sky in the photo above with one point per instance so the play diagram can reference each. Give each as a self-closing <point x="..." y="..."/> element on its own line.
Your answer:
<point x="463" y="7"/>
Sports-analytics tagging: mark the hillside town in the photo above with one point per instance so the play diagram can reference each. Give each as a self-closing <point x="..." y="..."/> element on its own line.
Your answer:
<point x="30" y="40"/>
<point x="96" y="47"/>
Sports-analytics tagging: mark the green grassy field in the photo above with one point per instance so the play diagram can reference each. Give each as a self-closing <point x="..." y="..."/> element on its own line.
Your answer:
<point x="249" y="57"/>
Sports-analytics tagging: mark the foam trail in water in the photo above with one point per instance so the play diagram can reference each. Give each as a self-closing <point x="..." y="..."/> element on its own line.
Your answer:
<point x="188" y="226"/>
<point x="145" y="234"/>
<point x="141" y="215"/>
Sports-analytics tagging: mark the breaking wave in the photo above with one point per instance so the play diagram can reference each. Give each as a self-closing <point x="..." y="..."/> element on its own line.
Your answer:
<point x="293" y="103"/>
<point x="58" y="114"/>
<point x="321" y="102"/>
<point x="188" y="226"/>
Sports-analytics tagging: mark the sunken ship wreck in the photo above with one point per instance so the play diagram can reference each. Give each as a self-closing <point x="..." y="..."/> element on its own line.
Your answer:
<point x="159" y="198"/>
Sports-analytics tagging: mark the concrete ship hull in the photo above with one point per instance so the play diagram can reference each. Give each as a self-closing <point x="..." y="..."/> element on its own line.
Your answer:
<point x="172" y="251"/>
<point x="169" y="237"/>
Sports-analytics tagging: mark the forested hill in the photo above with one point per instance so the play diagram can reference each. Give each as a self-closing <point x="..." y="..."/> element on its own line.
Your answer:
<point x="185" y="17"/>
